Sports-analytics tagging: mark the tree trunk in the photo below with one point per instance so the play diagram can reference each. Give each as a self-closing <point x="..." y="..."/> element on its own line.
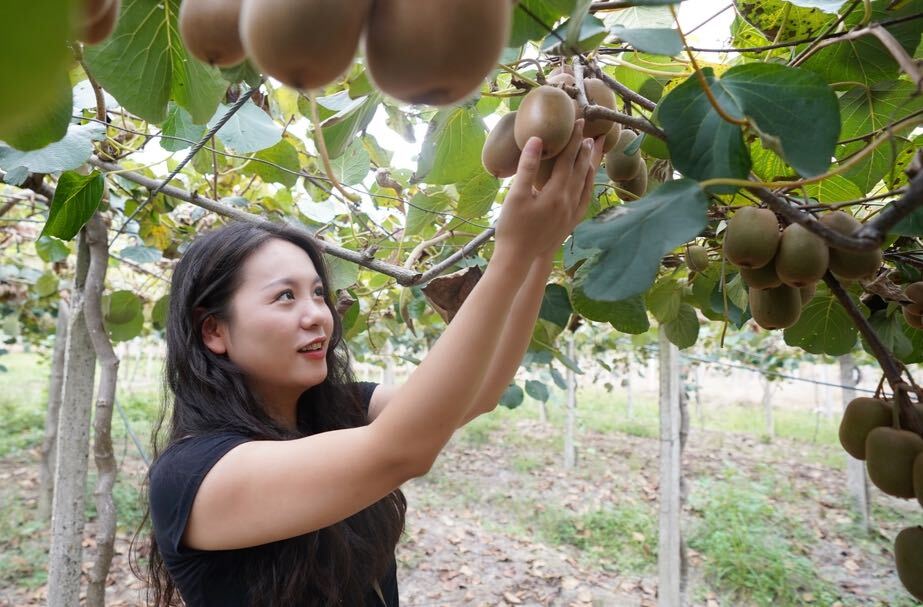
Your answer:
<point x="856" y="477"/>
<point x="767" y="408"/>
<point x="570" y="449"/>
<point x="629" y="393"/>
<point x="67" y="520"/>
<point x="96" y="233"/>
<point x="670" y="548"/>
<point x="55" y="388"/>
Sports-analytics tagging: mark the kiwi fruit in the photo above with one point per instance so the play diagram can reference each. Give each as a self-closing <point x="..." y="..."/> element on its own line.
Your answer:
<point x="697" y="258"/>
<point x="914" y="308"/>
<point x="94" y="32"/>
<point x="918" y="478"/>
<point x="435" y="53"/>
<point x="500" y="155"/>
<point x="751" y="238"/>
<point x="619" y="166"/>
<point x="908" y="557"/>
<point x="637" y="185"/>
<point x="760" y="278"/>
<point x="305" y="44"/>
<point x="844" y="263"/>
<point x="597" y="93"/>
<point x="612" y="137"/>
<point x="861" y="416"/>
<point x="562" y="69"/>
<point x="548" y="113"/>
<point x="914" y="320"/>
<point x="775" y="308"/>
<point x="914" y="292"/>
<point x="807" y="293"/>
<point x="210" y="32"/>
<point x="561" y="79"/>
<point x="91" y="10"/>
<point x="803" y="256"/>
<point x="889" y="457"/>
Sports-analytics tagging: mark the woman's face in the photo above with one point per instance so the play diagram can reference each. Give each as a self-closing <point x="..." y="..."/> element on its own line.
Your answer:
<point x="278" y="309"/>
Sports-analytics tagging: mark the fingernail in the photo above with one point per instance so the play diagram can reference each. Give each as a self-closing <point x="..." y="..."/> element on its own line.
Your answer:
<point x="587" y="144"/>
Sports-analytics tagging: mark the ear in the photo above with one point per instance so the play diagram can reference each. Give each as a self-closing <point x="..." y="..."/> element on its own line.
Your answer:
<point x="214" y="335"/>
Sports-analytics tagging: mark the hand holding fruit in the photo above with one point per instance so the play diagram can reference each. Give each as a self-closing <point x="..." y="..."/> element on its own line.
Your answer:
<point x="535" y="223"/>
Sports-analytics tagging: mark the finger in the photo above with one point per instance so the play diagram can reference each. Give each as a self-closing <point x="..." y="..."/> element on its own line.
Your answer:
<point x="590" y="182"/>
<point x="581" y="167"/>
<point x="529" y="162"/>
<point x="564" y="163"/>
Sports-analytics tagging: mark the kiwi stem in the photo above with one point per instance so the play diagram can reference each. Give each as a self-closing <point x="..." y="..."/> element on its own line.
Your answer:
<point x="518" y="75"/>
<point x="322" y="151"/>
<point x="909" y="418"/>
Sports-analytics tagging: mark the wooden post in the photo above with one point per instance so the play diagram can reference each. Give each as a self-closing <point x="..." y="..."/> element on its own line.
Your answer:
<point x="570" y="449"/>
<point x="856" y="476"/>
<point x="670" y="588"/>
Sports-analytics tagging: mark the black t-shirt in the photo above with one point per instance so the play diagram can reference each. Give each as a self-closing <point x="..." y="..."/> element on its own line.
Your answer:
<point x="212" y="578"/>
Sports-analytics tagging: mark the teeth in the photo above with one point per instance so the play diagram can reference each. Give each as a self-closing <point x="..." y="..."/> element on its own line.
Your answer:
<point x="314" y="347"/>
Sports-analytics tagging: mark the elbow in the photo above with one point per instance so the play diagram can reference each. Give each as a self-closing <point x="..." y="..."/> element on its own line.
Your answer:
<point x="418" y="466"/>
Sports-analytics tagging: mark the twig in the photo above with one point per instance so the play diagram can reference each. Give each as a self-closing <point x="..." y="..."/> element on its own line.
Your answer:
<point x="910" y="419"/>
<point x="621" y="90"/>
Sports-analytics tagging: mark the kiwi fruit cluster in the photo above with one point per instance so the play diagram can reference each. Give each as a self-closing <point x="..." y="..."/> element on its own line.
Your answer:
<point x="433" y="53"/>
<point x="894" y="459"/>
<point x="913" y="309"/>
<point x="97" y="19"/>
<point x="548" y="112"/>
<point x="782" y="267"/>
<point x="628" y="171"/>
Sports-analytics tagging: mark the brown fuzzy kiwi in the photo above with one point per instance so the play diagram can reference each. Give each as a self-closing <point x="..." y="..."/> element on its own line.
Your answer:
<point x="803" y="256"/>
<point x="761" y="278"/>
<point x="500" y="155"/>
<point x="210" y="31"/>
<point x="914" y="308"/>
<point x="918" y="478"/>
<point x="914" y="292"/>
<point x="305" y="44"/>
<point x="752" y="237"/>
<point x="598" y="93"/>
<point x="91" y="10"/>
<point x="619" y="166"/>
<point x="562" y="69"/>
<point x="546" y="112"/>
<point x="561" y="79"/>
<point x="861" y="416"/>
<point x="889" y="457"/>
<point x="102" y="27"/>
<point x="908" y="558"/>
<point x="914" y="320"/>
<point x="697" y="258"/>
<point x="844" y="263"/>
<point x="435" y="53"/>
<point x="807" y="293"/>
<point x="776" y="308"/>
<point x="636" y="187"/>
<point x="612" y="137"/>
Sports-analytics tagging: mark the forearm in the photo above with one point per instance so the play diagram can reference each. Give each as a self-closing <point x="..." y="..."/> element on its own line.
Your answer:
<point x="514" y="340"/>
<point x="431" y="404"/>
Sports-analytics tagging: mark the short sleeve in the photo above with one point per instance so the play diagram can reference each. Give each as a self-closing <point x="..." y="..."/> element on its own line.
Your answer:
<point x="366" y="388"/>
<point x="175" y="478"/>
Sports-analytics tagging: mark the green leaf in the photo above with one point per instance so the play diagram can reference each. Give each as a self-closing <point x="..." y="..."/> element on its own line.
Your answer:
<point x="51" y="250"/>
<point x="46" y="285"/>
<point x="452" y="149"/>
<point x="50" y="125"/>
<point x="868" y="110"/>
<point x="34" y="57"/>
<point x="122" y="307"/>
<point x="126" y="331"/>
<point x="559" y="381"/>
<point x="250" y="129"/>
<point x="144" y="64"/>
<point x="795" y="111"/>
<point x="536" y="25"/>
<point x="352" y="167"/>
<point x="782" y="21"/>
<point x="423" y="211"/>
<point x="592" y="33"/>
<point x="664" y="299"/>
<point x="282" y="156"/>
<point x="658" y="41"/>
<point x="512" y="397"/>
<point x="76" y="198"/>
<point x="683" y="331"/>
<point x="537" y="390"/>
<point x="475" y="197"/>
<point x="556" y="306"/>
<point x="159" y="313"/>
<point x="141" y="254"/>
<point x="890" y="330"/>
<point x="69" y="153"/>
<point x="179" y="132"/>
<point x="834" y="189"/>
<point x="628" y="315"/>
<point x="340" y="129"/>
<point x="341" y="273"/>
<point x="634" y="237"/>
<point x="880" y="163"/>
<point x="824" y="327"/>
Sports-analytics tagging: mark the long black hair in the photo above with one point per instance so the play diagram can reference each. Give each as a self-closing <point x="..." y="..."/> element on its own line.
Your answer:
<point x="336" y="565"/>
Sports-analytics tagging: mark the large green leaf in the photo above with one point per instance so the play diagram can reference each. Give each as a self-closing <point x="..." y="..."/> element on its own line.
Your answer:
<point x="340" y="129"/>
<point x="868" y="110"/>
<point x="834" y="189"/>
<point x="351" y="167"/>
<point x="537" y="390"/>
<point x="475" y="197"/>
<point x="533" y="19"/>
<point x="627" y="316"/>
<point x="51" y="250"/>
<point x="879" y="164"/>
<point x="250" y="129"/>
<point x="659" y="41"/>
<point x="271" y="164"/>
<point x="34" y="57"/>
<point x="591" y="34"/>
<point x="683" y="331"/>
<point x="423" y="211"/>
<point x="121" y="307"/>
<point x="664" y="299"/>
<point x="795" y="111"/>
<point x="66" y="154"/>
<point x="452" y="149"/>
<point x="783" y="21"/>
<point x="144" y="64"/>
<point x="556" y="306"/>
<point x="634" y="237"/>
<point x="75" y="200"/>
<point x="179" y="131"/>
<point x="890" y="330"/>
<point x="824" y="327"/>
<point x="36" y="131"/>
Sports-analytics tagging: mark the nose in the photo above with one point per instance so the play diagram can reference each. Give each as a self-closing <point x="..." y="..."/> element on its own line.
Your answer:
<point x="313" y="313"/>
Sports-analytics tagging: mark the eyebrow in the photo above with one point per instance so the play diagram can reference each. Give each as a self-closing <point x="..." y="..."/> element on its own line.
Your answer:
<point x="289" y="282"/>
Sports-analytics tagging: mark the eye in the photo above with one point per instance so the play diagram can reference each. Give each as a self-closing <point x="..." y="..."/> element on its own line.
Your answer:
<point x="321" y="292"/>
<point x="284" y="293"/>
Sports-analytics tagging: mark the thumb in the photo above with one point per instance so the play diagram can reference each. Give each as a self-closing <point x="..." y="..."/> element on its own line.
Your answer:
<point x="529" y="161"/>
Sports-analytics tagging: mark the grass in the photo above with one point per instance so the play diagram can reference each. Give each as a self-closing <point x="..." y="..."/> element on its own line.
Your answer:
<point x="23" y="543"/>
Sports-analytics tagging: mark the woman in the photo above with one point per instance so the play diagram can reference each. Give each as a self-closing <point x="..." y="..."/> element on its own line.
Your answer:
<point x="280" y="481"/>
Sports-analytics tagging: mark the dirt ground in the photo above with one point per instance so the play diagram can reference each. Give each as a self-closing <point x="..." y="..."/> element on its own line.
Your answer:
<point x="466" y="541"/>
